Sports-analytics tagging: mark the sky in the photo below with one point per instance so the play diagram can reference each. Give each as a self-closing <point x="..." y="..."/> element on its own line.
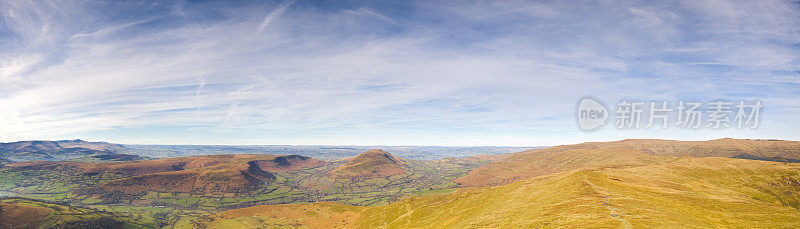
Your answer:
<point x="501" y="73"/>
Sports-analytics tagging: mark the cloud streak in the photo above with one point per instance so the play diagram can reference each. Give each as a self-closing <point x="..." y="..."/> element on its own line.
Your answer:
<point x="276" y="13"/>
<point x="428" y="72"/>
<point x="197" y="96"/>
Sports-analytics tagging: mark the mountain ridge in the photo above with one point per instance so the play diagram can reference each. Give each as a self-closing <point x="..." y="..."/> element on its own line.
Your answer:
<point x="56" y="150"/>
<point x="535" y="162"/>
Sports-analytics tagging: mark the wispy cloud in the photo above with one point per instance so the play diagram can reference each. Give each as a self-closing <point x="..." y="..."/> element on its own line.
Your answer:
<point x="428" y="72"/>
<point x="197" y="96"/>
<point x="277" y="12"/>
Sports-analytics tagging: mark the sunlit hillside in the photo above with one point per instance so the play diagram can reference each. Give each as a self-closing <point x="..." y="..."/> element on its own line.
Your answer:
<point x="597" y="188"/>
<point x="537" y="162"/>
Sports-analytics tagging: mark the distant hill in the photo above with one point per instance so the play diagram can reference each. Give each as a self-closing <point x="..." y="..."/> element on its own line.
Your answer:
<point x="55" y="150"/>
<point x="536" y="162"/>
<point x="370" y="164"/>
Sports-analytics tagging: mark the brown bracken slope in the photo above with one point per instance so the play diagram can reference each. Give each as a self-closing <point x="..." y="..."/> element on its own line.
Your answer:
<point x="21" y="216"/>
<point x="214" y="174"/>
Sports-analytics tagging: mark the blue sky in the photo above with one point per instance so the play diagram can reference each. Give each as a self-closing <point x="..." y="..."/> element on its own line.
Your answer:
<point x="384" y="72"/>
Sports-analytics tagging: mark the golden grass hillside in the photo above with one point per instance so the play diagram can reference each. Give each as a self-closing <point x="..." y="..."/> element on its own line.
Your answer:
<point x="668" y="192"/>
<point x="531" y="163"/>
<point x="316" y="215"/>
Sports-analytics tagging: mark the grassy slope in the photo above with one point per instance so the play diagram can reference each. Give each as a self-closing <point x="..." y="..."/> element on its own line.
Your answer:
<point x="552" y="160"/>
<point x="707" y="192"/>
<point x="685" y="192"/>
<point x="691" y="192"/>
<point x="317" y="215"/>
<point x="531" y="163"/>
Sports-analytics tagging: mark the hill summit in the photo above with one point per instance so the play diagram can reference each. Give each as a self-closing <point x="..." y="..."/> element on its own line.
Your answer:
<point x="370" y="164"/>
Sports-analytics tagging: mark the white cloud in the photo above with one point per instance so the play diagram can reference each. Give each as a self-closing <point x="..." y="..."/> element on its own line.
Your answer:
<point x="468" y="74"/>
